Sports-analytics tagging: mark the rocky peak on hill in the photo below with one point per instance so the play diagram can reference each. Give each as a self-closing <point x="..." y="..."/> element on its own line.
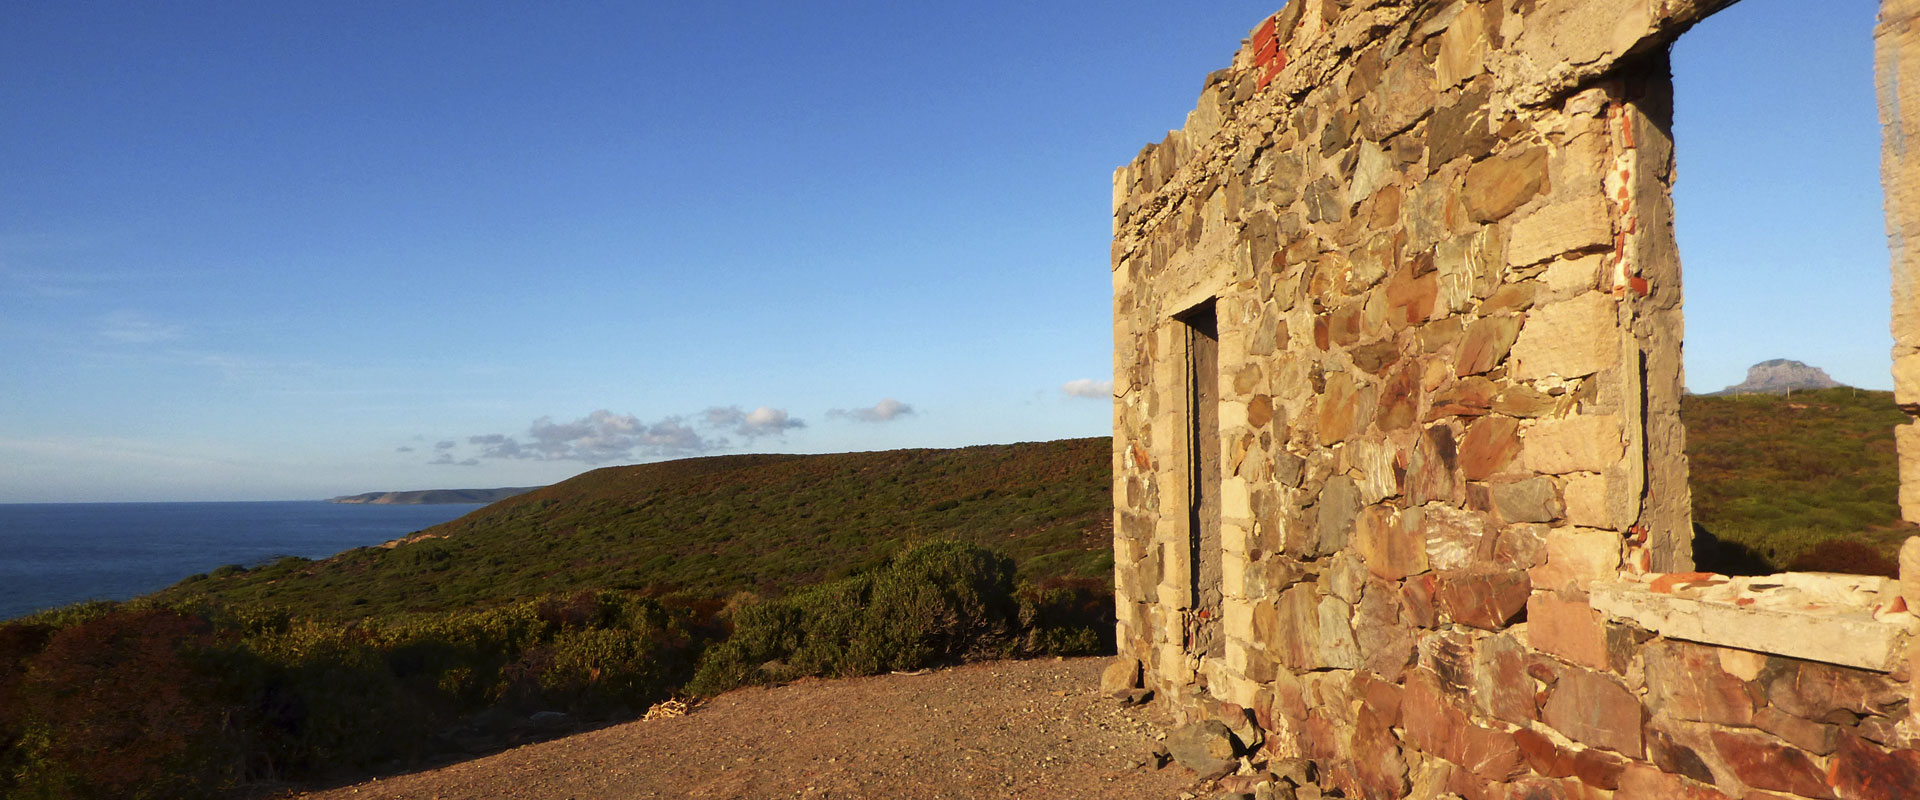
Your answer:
<point x="1779" y="376"/>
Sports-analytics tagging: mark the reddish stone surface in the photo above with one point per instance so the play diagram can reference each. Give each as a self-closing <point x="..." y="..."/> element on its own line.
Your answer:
<point x="1483" y="600"/>
<point x="1417" y="595"/>
<point x="1567" y="628"/>
<point x="1826" y="693"/>
<point x="1542" y="755"/>
<point x="1436" y="726"/>
<point x="1860" y="770"/>
<point x="1470" y="397"/>
<point x="1762" y="762"/>
<point x="1812" y="737"/>
<point x="1490" y="445"/>
<point x="1381" y="698"/>
<point x="1380" y="768"/>
<point x="1679" y="759"/>
<point x="1598" y="768"/>
<point x="1685" y="682"/>
<point x="1487" y="343"/>
<point x="1501" y="685"/>
<point x="1642" y="781"/>
<point x="1595" y="710"/>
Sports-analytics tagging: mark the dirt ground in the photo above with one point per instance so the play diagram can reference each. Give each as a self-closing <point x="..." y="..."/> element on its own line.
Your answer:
<point x="1008" y="729"/>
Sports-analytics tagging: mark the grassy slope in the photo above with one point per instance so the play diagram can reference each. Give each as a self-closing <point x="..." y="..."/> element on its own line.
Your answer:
<point x="717" y="525"/>
<point x="1779" y="474"/>
<point x="1775" y="474"/>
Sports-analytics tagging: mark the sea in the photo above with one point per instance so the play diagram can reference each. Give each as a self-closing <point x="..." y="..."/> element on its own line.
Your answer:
<point x="54" y="554"/>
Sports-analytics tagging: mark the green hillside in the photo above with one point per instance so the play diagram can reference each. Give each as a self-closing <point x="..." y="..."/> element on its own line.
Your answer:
<point x="1775" y="476"/>
<point x="714" y="526"/>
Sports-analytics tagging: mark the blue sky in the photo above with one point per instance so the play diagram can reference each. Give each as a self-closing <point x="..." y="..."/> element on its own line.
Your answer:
<point x="273" y="251"/>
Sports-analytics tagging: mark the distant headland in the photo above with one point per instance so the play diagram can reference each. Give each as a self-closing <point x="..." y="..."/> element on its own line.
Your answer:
<point x="433" y="496"/>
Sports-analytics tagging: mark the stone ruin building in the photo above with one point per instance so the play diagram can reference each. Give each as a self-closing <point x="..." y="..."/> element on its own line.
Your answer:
<point x="1398" y="469"/>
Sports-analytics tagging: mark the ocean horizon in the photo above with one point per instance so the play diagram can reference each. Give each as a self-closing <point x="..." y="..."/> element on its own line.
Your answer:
<point x="57" y="554"/>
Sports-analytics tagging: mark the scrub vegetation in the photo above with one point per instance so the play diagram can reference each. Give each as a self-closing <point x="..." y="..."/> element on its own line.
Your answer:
<point x="588" y="601"/>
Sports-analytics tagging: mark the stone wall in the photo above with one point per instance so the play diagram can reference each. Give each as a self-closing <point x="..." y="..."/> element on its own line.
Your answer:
<point x="1440" y="390"/>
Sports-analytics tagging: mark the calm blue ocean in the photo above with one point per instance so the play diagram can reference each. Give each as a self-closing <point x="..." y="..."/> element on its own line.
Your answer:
<point x="58" y="553"/>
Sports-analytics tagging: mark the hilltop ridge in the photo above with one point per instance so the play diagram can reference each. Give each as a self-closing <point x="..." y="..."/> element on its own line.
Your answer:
<point x="422" y="497"/>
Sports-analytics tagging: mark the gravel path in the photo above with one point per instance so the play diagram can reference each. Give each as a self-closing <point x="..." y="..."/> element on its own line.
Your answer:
<point x="1008" y="729"/>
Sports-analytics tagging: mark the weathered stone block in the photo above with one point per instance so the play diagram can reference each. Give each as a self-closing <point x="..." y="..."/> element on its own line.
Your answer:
<point x="1762" y="762"/>
<point x="1596" y="710"/>
<point x="1490" y="445"/>
<point x="1586" y="443"/>
<point x="1568" y="339"/>
<point x="1390" y="548"/>
<point x="1807" y="735"/>
<point x="1454" y="539"/>
<point x="1530" y="500"/>
<point x="1568" y="628"/>
<point x="1577" y="557"/>
<point x="1487" y="343"/>
<point x="1907" y="442"/>
<point x="1590" y="503"/>
<point x="1861" y="770"/>
<point x="1498" y="185"/>
<point x="1560" y="228"/>
<point x="1685" y="682"/>
<point x="1483" y="600"/>
<point x="1338" y="507"/>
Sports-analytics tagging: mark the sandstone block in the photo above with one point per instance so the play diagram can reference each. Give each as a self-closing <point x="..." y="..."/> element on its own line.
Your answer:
<point x="1907" y="441"/>
<point x="1596" y="710"/>
<point x="1588" y="501"/>
<point x="1122" y="675"/>
<point x="1463" y="52"/>
<point x="1910" y="572"/>
<point x="1586" y="443"/>
<point x="1569" y="339"/>
<point x="1906" y="379"/>
<point x="1530" y="500"/>
<point x="1567" y="628"/>
<point x="1206" y="747"/>
<point x="1577" y="557"/>
<point x="1560" y="228"/>
<point x="1498" y="185"/>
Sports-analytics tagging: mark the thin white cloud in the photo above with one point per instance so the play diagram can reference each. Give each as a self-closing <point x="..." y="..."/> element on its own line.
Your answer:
<point x="129" y="327"/>
<point x="603" y="436"/>
<point x="1088" y="388"/>
<point x="886" y="410"/>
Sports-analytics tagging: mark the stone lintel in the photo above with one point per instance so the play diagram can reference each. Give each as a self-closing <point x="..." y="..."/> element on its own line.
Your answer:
<point x="1850" y="635"/>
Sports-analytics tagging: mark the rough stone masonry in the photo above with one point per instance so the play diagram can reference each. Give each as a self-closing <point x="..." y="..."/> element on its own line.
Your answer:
<point x="1399" y="477"/>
